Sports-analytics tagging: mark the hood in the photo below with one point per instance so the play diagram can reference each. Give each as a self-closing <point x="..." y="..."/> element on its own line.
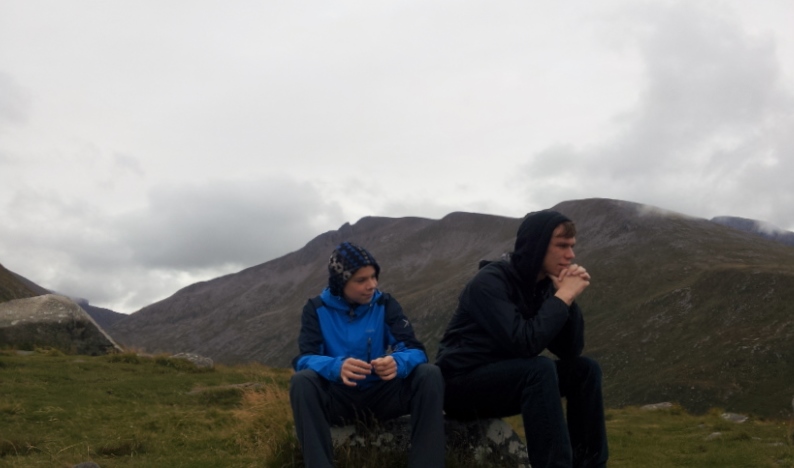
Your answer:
<point x="532" y="241"/>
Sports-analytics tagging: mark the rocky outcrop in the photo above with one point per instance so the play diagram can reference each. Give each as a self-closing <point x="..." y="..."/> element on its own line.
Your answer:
<point x="484" y="440"/>
<point x="198" y="361"/>
<point x="665" y="405"/>
<point x="52" y="321"/>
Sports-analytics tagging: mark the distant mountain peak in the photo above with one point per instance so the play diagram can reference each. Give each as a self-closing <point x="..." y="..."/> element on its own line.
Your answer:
<point x="754" y="226"/>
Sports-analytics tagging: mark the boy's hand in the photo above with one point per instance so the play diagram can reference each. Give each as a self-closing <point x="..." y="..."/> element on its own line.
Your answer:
<point x="385" y="367"/>
<point x="571" y="283"/>
<point x="354" y="369"/>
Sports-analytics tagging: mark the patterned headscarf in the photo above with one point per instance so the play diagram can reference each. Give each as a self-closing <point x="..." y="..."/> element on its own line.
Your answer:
<point x="345" y="260"/>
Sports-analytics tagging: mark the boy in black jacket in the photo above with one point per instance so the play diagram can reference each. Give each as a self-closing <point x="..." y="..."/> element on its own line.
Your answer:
<point x="490" y="353"/>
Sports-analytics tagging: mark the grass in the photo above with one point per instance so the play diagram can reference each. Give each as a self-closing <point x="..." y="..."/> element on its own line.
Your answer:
<point x="697" y="440"/>
<point x="127" y="410"/>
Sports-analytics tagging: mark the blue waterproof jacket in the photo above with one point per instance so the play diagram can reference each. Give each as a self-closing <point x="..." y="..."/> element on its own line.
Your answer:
<point x="333" y="330"/>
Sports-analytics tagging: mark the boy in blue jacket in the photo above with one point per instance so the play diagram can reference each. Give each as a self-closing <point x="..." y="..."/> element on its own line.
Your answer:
<point x="344" y="372"/>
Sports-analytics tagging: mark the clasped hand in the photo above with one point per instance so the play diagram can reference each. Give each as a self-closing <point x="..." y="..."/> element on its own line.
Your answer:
<point x="355" y="369"/>
<point x="571" y="282"/>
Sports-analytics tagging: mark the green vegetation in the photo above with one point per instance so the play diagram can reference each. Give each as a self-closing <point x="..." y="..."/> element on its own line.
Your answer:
<point x="126" y="410"/>
<point x="688" y="312"/>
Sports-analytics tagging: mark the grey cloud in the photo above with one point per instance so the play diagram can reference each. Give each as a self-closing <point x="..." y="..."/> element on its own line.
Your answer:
<point x="429" y="209"/>
<point x="707" y="81"/>
<point x="125" y="163"/>
<point x="129" y="287"/>
<point x="14" y="101"/>
<point x="705" y="130"/>
<point x="42" y="223"/>
<point x="217" y="223"/>
<point x="186" y="234"/>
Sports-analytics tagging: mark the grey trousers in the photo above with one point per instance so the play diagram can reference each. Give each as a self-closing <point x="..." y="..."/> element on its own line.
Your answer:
<point x="317" y="404"/>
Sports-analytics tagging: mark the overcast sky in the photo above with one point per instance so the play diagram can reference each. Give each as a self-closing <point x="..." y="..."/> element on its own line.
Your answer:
<point x="147" y="145"/>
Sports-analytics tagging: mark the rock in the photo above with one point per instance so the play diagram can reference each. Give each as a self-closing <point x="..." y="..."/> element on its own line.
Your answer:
<point x="733" y="417"/>
<point x="52" y="321"/>
<point x="714" y="436"/>
<point x="486" y="439"/>
<point x="198" y="361"/>
<point x="657" y="406"/>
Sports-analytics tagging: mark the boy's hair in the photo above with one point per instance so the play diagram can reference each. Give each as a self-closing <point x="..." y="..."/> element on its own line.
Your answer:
<point x="569" y="229"/>
<point x="345" y="260"/>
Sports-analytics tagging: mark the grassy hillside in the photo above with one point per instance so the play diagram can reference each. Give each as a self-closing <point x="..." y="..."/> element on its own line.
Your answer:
<point x="684" y="309"/>
<point x="131" y="411"/>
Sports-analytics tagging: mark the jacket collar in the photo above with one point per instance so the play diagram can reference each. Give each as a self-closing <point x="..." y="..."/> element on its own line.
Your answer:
<point x="338" y="304"/>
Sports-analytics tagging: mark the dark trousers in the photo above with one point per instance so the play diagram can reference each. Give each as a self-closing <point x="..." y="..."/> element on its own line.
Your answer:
<point x="317" y="404"/>
<point x="533" y="388"/>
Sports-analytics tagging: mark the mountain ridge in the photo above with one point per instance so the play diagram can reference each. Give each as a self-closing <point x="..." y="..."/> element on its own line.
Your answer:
<point x="680" y="308"/>
<point x="672" y="295"/>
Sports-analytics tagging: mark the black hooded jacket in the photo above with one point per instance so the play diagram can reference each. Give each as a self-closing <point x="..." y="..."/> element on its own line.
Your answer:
<point x="505" y="313"/>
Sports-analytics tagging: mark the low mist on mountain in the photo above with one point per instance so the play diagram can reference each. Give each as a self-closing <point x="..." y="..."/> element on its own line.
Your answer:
<point x="680" y="308"/>
<point x="757" y="227"/>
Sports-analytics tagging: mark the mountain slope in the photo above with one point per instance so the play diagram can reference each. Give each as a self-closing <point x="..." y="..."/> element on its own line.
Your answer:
<point x="255" y="314"/>
<point x="13" y="286"/>
<point x="685" y="309"/>
<point x="105" y="318"/>
<point x="679" y="308"/>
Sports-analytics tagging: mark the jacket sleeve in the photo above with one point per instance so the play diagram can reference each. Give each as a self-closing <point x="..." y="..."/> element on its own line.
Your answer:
<point x="487" y="300"/>
<point x="407" y="351"/>
<point x="311" y="345"/>
<point x="569" y="342"/>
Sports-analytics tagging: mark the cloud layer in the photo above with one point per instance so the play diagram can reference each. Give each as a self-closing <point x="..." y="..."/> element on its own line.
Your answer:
<point x="708" y="133"/>
<point x="145" y="147"/>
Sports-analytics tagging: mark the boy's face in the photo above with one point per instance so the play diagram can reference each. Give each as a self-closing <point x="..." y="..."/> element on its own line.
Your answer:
<point x="360" y="288"/>
<point x="559" y="254"/>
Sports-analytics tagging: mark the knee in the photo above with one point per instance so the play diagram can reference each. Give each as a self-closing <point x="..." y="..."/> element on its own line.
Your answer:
<point x="428" y="375"/>
<point x="303" y="381"/>
<point x="540" y="378"/>
<point x="589" y="368"/>
<point x="541" y="368"/>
